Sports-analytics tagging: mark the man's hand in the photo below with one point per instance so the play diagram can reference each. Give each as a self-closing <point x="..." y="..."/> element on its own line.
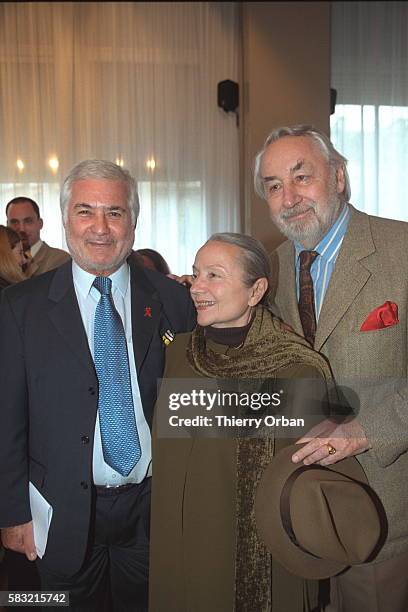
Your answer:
<point x="20" y="539"/>
<point x="343" y="440"/>
<point x="185" y="280"/>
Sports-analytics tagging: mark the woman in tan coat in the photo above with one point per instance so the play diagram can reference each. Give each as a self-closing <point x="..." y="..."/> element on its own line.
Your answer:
<point x="205" y="553"/>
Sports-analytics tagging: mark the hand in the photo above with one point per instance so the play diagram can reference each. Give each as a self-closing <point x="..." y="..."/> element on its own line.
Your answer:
<point x="20" y="539"/>
<point x="185" y="280"/>
<point x="345" y="438"/>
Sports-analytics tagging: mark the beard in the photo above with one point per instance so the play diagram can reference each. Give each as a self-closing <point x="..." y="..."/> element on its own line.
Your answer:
<point x="84" y="260"/>
<point x="310" y="230"/>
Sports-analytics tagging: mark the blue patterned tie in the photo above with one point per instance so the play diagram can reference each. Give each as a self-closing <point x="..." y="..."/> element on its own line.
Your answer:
<point x="120" y="440"/>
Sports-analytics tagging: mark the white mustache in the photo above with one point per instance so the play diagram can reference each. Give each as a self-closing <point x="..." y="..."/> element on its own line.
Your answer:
<point x="298" y="210"/>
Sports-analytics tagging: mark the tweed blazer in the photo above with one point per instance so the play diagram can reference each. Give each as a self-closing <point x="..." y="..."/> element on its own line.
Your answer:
<point x="371" y="366"/>
<point x="46" y="259"/>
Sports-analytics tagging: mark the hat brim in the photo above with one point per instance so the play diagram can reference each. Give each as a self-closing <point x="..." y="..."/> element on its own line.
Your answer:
<point x="268" y="516"/>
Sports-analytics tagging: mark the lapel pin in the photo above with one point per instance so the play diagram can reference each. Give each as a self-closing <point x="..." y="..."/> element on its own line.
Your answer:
<point x="148" y="311"/>
<point x="168" y="337"/>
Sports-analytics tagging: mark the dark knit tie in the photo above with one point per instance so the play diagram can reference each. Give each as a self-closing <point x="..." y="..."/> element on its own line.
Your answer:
<point x="306" y="296"/>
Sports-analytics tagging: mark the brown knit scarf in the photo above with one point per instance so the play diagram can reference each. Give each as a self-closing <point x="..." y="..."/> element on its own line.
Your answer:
<point x="267" y="349"/>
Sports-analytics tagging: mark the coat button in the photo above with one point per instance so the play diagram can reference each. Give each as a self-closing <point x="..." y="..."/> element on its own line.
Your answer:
<point x="84" y="485"/>
<point x="92" y="390"/>
<point x="85" y="439"/>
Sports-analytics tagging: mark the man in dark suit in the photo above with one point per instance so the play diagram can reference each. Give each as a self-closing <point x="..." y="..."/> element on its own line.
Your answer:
<point x="81" y="350"/>
<point x="23" y="215"/>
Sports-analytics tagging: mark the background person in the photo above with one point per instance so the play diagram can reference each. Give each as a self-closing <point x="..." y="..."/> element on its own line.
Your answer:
<point x="23" y="215"/>
<point x="11" y="262"/>
<point x="350" y="301"/>
<point x="11" y="258"/>
<point x="153" y="260"/>
<point x="205" y="553"/>
<point x="81" y="350"/>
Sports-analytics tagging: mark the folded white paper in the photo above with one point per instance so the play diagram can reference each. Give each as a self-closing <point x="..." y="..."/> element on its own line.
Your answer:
<point x="41" y="513"/>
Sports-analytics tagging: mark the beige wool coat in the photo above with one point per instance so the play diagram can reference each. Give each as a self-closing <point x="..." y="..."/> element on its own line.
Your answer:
<point x="46" y="259"/>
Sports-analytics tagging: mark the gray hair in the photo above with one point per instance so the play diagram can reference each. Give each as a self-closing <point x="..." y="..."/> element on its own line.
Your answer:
<point x="100" y="169"/>
<point x="333" y="157"/>
<point x="253" y="257"/>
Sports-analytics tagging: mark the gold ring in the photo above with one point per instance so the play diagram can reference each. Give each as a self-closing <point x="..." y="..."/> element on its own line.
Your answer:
<point x="331" y="449"/>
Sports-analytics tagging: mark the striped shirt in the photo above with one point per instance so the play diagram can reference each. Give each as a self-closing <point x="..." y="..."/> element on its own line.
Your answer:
<point x="323" y="266"/>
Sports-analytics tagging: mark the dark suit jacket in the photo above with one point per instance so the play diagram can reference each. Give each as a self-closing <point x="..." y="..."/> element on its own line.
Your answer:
<point x="49" y="396"/>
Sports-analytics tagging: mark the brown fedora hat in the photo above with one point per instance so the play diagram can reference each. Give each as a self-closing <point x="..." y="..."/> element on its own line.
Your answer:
<point x="317" y="521"/>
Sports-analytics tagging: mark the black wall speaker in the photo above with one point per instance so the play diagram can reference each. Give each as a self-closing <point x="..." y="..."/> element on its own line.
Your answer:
<point x="333" y="98"/>
<point x="228" y="95"/>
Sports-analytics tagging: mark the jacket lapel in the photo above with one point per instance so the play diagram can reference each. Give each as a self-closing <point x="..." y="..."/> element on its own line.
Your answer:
<point x="146" y="311"/>
<point x="66" y="317"/>
<point x="35" y="262"/>
<point x="32" y="268"/>
<point x="349" y="275"/>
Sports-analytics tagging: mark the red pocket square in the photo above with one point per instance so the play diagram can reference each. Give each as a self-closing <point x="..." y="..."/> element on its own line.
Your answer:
<point x="383" y="316"/>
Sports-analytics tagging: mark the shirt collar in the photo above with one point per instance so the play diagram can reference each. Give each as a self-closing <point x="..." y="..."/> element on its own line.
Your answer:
<point x="84" y="280"/>
<point x="332" y="238"/>
<point x="35" y="248"/>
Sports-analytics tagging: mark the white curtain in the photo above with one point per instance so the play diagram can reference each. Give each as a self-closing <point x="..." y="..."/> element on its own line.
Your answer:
<point x="133" y="82"/>
<point x="370" y="125"/>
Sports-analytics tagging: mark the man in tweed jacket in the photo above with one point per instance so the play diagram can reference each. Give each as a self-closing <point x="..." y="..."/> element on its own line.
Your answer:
<point x="360" y="284"/>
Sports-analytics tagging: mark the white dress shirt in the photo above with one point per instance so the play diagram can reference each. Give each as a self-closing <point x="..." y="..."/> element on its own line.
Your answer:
<point x="88" y="298"/>
<point x="35" y="248"/>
